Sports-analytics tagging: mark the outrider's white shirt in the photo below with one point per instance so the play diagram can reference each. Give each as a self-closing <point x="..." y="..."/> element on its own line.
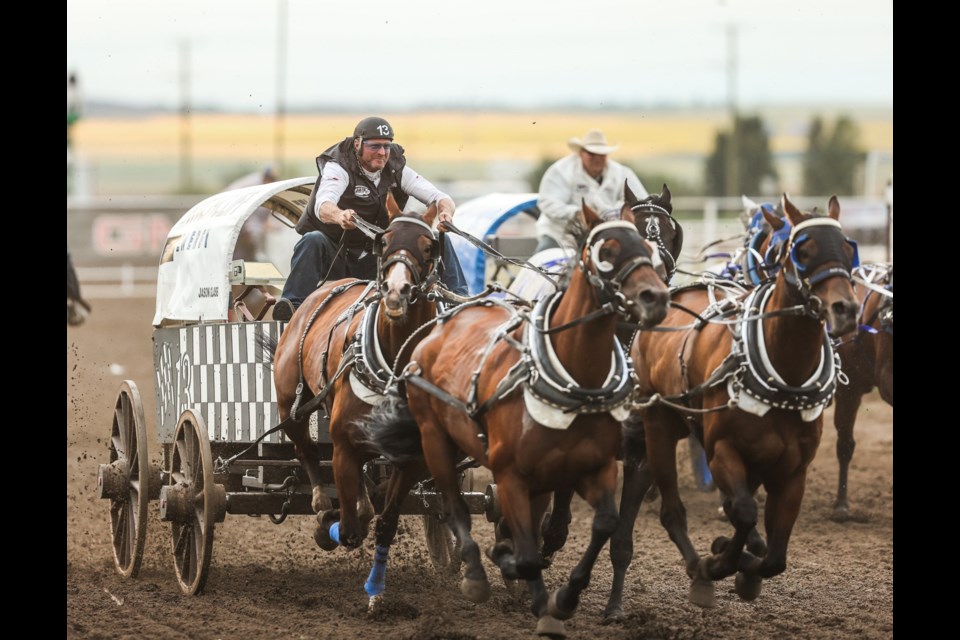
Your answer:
<point x="565" y="184"/>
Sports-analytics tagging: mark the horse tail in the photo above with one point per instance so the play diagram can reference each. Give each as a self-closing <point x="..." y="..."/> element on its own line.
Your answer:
<point x="268" y="344"/>
<point x="391" y="430"/>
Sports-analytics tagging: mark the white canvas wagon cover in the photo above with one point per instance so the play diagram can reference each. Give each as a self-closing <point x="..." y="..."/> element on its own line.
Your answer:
<point x="193" y="281"/>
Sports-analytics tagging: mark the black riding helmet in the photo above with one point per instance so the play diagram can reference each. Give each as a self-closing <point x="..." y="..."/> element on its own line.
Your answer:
<point x="373" y="127"/>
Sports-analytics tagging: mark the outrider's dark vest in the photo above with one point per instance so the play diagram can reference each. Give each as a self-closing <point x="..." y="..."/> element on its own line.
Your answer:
<point x="365" y="198"/>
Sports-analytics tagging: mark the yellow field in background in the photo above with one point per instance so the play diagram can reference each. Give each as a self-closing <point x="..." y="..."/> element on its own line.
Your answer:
<point x="444" y="135"/>
<point x="144" y="154"/>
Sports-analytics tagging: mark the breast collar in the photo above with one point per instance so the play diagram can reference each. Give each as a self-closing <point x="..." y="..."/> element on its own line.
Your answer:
<point x="763" y="387"/>
<point x="550" y="383"/>
<point x="371" y="374"/>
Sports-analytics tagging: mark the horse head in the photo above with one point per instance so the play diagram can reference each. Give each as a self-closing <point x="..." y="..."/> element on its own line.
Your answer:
<point x="764" y="240"/>
<point x="622" y="265"/>
<point x="407" y="252"/>
<point x="653" y="216"/>
<point x="816" y="264"/>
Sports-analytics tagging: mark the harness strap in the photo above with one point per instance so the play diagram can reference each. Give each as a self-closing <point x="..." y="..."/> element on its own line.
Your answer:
<point x="483" y="246"/>
<point x="294" y="409"/>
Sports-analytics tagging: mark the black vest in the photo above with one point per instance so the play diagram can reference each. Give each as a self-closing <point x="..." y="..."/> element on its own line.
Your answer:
<point x="364" y="197"/>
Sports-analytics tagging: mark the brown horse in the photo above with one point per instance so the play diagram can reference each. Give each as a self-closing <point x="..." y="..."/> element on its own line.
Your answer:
<point x="867" y="359"/>
<point x="538" y="400"/>
<point x="350" y="336"/>
<point x="756" y="386"/>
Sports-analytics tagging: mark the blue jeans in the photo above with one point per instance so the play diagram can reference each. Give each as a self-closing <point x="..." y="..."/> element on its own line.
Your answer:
<point x="313" y="262"/>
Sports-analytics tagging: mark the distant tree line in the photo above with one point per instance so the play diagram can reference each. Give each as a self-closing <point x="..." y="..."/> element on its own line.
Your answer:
<point x="741" y="162"/>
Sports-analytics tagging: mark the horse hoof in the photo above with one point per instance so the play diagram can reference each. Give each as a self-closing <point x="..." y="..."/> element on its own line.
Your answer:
<point x="321" y="501"/>
<point x="551" y="627"/>
<point x="375" y="604"/>
<point x="477" y="591"/>
<point x="702" y="593"/>
<point x="747" y="585"/>
<point x="554" y="609"/>
<point x="719" y="544"/>
<point x="321" y="534"/>
<point x="612" y="615"/>
<point x="840" y="514"/>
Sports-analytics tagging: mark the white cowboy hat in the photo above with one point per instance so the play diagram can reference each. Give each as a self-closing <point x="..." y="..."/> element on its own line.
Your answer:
<point x="594" y="142"/>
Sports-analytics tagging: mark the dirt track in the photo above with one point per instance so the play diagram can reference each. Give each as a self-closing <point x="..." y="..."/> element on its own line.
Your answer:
<point x="273" y="582"/>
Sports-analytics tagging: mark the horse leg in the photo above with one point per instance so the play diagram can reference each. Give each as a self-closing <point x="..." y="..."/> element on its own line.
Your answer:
<point x="557" y="527"/>
<point x="346" y="473"/>
<point x="520" y="559"/>
<point x="884" y="379"/>
<point x="780" y="514"/>
<point x="755" y="542"/>
<point x="637" y="480"/>
<point x="599" y="492"/>
<point x="440" y="455"/>
<point x="309" y="455"/>
<point x="847" y="404"/>
<point x="398" y="486"/>
<point x="662" y="457"/>
<point x="741" y="507"/>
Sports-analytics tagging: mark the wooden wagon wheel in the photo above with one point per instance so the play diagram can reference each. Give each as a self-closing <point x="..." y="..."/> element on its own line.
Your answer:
<point x="128" y="481"/>
<point x="443" y="545"/>
<point x="192" y="502"/>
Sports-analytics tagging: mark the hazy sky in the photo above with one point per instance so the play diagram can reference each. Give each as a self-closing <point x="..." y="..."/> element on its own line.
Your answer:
<point x="593" y="53"/>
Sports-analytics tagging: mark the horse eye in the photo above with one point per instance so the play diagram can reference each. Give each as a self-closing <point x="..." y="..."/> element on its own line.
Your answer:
<point x="609" y="254"/>
<point x="802" y="254"/>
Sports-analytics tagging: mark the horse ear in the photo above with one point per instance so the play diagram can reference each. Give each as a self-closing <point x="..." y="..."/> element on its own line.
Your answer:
<point x="795" y="215"/>
<point x="833" y="208"/>
<point x="665" y="196"/>
<point x="628" y="194"/>
<point x="590" y="217"/>
<point x="393" y="209"/>
<point x="626" y="213"/>
<point x="775" y="221"/>
<point x="430" y="214"/>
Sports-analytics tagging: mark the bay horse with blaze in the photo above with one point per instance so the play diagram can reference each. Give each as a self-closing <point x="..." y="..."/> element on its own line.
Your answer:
<point x="344" y="342"/>
<point x="756" y="386"/>
<point x="538" y="400"/>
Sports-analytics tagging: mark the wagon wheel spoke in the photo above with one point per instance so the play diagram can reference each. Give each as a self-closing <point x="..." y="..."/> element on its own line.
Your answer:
<point x="178" y="539"/>
<point x="117" y="446"/>
<point x="120" y="539"/>
<point x="197" y="463"/>
<point x="118" y="517"/>
<point x="125" y="422"/>
<point x="181" y="452"/>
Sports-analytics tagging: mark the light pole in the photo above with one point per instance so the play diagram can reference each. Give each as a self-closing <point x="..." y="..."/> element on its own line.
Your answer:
<point x="278" y="131"/>
<point x="186" y="170"/>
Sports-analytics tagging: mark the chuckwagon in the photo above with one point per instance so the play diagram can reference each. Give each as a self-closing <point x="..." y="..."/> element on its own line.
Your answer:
<point x="216" y="402"/>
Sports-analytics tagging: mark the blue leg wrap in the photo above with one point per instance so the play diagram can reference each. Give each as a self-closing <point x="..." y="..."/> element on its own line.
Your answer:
<point x="376" y="582"/>
<point x="702" y="471"/>
<point x="335" y="532"/>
